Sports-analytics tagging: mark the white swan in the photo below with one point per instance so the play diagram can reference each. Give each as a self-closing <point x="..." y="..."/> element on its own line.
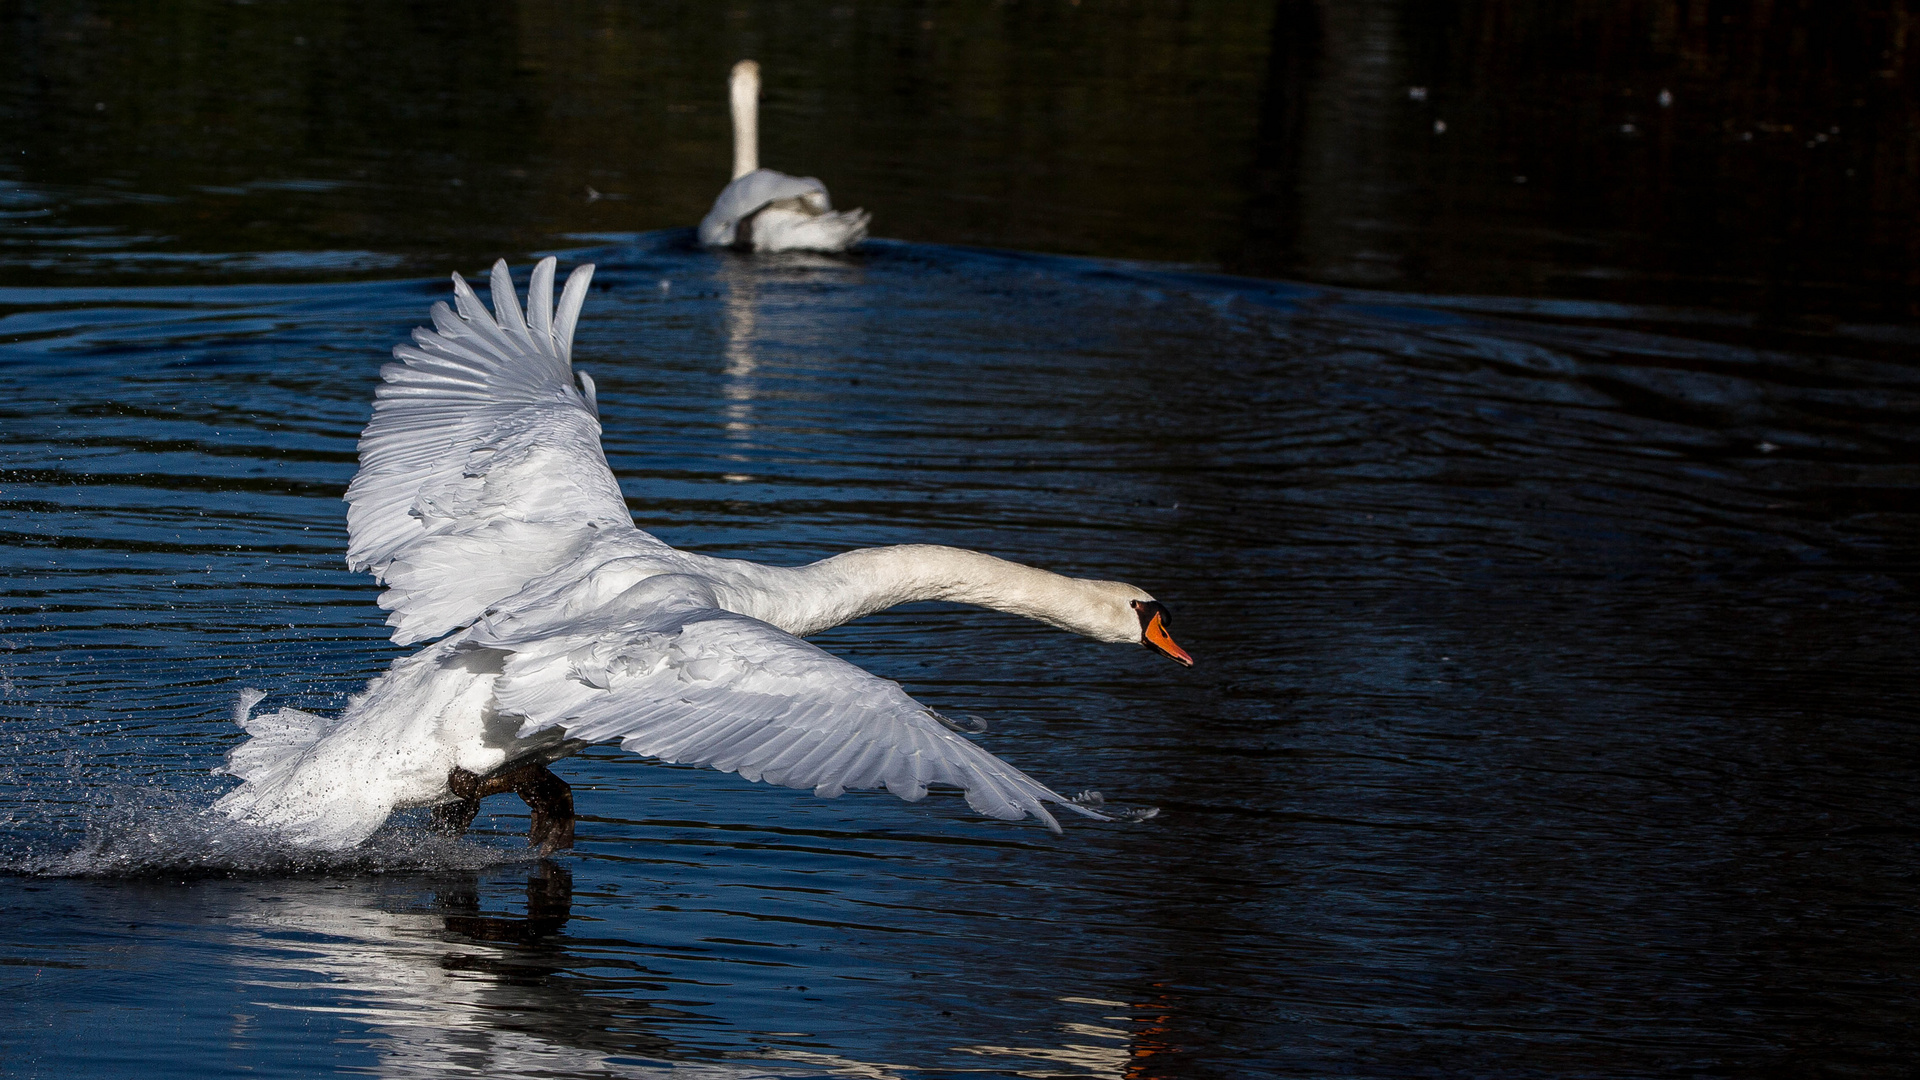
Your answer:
<point x="764" y="210"/>
<point x="485" y="505"/>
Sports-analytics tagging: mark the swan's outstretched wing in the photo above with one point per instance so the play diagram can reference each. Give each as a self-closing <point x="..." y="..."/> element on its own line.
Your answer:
<point x="481" y="468"/>
<point x="751" y="192"/>
<point x="714" y="688"/>
<point x="790" y="213"/>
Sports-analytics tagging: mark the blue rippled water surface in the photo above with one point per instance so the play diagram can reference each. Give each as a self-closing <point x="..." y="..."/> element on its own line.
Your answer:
<point x="1554" y="711"/>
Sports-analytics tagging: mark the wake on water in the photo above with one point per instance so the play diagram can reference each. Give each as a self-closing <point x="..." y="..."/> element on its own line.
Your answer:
<point x="142" y="832"/>
<point x="103" y="825"/>
<point x="68" y="818"/>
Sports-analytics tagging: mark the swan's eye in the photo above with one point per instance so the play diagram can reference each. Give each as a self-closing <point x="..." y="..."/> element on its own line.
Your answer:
<point x="1154" y="622"/>
<point x="1148" y="610"/>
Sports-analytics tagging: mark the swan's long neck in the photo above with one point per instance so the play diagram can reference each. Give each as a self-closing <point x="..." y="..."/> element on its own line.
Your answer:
<point x="744" y="87"/>
<point x="846" y="587"/>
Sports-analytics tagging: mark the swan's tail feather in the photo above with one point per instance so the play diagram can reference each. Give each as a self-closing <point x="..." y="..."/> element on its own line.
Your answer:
<point x="288" y="783"/>
<point x="278" y="739"/>
<point x="329" y="783"/>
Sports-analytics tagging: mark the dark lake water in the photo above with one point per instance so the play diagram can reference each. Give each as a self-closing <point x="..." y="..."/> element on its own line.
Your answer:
<point x="1554" y="709"/>
<point x="1754" y="157"/>
<point x="1549" y="550"/>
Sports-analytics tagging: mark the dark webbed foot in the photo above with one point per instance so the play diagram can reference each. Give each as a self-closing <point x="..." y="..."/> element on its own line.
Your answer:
<point x="546" y="795"/>
<point x="551" y="800"/>
<point x="453" y="818"/>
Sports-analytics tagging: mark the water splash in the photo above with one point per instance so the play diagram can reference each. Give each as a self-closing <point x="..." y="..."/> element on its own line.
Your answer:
<point x="1116" y="811"/>
<point x="147" y="832"/>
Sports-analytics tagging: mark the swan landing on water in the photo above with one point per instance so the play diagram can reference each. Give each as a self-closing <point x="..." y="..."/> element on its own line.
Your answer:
<point x="764" y="210"/>
<point x="485" y="505"/>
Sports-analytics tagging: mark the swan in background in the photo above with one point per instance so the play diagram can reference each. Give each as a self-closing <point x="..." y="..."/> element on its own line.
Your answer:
<point x="764" y="210"/>
<point x="484" y="503"/>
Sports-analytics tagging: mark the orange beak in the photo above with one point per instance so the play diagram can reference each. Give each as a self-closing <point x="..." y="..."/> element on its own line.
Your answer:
<point x="1156" y="636"/>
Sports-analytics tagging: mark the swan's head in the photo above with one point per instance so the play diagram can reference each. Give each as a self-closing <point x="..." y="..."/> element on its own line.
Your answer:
<point x="1154" y="622"/>
<point x="1121" y="613"/>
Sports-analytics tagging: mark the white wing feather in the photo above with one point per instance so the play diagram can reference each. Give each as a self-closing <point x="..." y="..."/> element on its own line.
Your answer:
<point x="710" y="687"/>
<point x="481" y="468"/>
<point x="481" y="471"/>
<point x="807" y="221"/>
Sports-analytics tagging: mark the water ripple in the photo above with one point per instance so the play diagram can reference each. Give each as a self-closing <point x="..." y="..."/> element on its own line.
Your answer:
<point x="1553" y="715"/>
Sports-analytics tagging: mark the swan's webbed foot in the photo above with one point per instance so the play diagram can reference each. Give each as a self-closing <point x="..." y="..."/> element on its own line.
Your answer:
<point x="452" y="818"/>
<point x="546" y="795"/>
<point x="551" y="800"/>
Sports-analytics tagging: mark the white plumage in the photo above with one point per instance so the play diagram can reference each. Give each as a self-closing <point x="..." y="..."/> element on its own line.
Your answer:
<point x="765" y="210"/>
<point x="485" y="504"/>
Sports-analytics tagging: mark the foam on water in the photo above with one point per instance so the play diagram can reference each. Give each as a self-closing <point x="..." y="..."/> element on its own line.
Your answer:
<point x="146" y="831"/>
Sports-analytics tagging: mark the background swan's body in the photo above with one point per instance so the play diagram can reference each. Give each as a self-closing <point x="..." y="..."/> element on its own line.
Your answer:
<point x="485" y="504"/>
<point x="765" y="210"/>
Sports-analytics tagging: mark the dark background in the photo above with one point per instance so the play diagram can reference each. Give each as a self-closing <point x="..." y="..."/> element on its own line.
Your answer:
<point x="1272" y="138"/>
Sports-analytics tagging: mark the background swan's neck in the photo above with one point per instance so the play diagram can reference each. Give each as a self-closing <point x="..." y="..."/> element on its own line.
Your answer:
<point x="744" y="88"/>
<point x="858" y="583"/>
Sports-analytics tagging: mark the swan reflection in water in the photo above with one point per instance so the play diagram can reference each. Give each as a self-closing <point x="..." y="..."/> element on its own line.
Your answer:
<point x="769" y="298"/>
<point x="447" y="984"/>
<point x="742" y="322"/>
<point x="549" y="906"/>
